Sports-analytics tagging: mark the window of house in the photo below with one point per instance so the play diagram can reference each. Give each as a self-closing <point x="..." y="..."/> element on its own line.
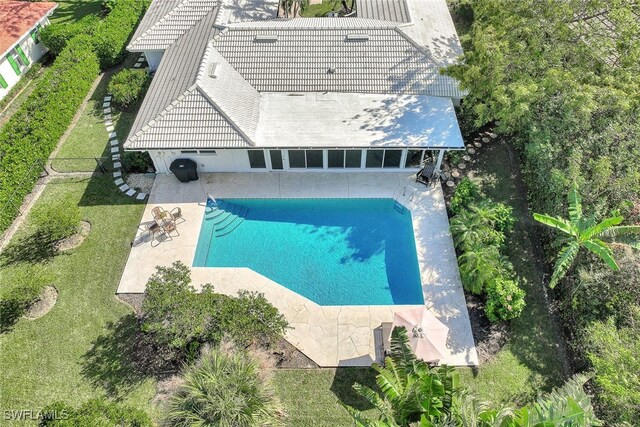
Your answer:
<point x="276" y="159"/>
<point x="35" y="35"/>
<point x="315" y="159"/>
<point x="256" y="159"/>
<point x="335" y="158"/>
<point x="374" y="158"/>
<point x="188" y="151"/>
<point x="297" y="159"/>
<point x="414" y="157"/>
<point x="353" y="159"/>
<point x="392" y="158"/>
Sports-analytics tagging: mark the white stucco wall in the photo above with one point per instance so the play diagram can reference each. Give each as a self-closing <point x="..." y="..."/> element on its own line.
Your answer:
<point x="32" y="50"/>
<point x="237" y="160"/>
<point x="153" y="58"/>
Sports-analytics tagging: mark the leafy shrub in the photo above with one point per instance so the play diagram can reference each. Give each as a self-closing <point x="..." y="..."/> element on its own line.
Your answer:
<point x="56" y="36"/>
<point x="137" y="161"/>
<point x="27" y="285"/>
<point x="225" y="388"/>
<point x="505" y="300"/>
<point x="34" y="130"/>
<point x="56" y="220"/>
<point x="108" y="5"/>
<point x="96" y="412"/>
<point x="183" y="319"/>
<point x="128" y="86"/>
<point x="614" y="353"/>
<point x="111" y="35"/>
<point x="466" y="193"/>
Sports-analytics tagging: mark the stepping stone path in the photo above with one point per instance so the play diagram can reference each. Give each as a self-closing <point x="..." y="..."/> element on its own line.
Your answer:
<point x="450" y="183"/>
<point x="477" y="144"/>
<point x="455" y="173"/>
<point x="139" y="62"/>
<point x="461" y="166"/>
<point x="471" y="151"/>
<point x="115" y="150"/>
<point x="485" y="139"/>
<point x="466" y="158"/>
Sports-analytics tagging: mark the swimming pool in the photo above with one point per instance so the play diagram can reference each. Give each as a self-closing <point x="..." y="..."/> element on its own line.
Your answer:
<point x="331" y="251"/>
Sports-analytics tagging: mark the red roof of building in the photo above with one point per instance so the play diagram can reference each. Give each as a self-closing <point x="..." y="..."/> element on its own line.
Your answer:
<point x="17" y="17"/>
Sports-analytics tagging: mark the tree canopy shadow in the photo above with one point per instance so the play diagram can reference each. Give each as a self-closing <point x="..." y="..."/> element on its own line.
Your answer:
<point x="124" y="357"/>
<point x="342" y="386"/>
<point x="33" y="248"/>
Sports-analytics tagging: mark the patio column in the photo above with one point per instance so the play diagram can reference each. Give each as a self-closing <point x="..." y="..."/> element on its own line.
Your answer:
<point x="439" y="161"/>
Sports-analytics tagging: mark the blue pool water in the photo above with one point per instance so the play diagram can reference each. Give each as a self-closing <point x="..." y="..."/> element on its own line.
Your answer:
<point x="332" y="251"/>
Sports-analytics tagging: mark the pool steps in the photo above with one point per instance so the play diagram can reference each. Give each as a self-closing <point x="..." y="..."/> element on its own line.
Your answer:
<point x="227" y="217"/>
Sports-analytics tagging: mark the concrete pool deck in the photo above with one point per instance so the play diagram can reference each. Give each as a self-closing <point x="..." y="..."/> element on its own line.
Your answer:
<point x="329" y="335"/>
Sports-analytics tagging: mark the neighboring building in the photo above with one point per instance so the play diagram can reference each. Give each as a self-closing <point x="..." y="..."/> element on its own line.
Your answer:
<point x="20" y="47"/>
<point x="236" y="89"/>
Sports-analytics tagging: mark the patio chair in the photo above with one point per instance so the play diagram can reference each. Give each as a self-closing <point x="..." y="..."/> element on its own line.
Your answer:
<point x="169" y="227"/>
<point x="382" y="340"/>
<point x="158" y="211"/>
<point x="176" y="214"/>
<point x="425" y="175"/>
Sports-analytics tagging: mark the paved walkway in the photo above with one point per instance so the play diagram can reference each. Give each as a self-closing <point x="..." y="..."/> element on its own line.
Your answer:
<point x="329" y="335"/>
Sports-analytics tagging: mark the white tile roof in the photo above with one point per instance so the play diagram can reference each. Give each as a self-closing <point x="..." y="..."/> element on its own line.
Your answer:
<point x="191" y="121"/>
<point x="385" y="10"/>
<point x="166" y="30"/>
<point x="229" y="92"/>
<point x="389" y="64"/>
<point x="320" y="56"/>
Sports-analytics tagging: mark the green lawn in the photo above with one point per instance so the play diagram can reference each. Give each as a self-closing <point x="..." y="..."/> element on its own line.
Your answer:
<point x="72" y="10"/>
<point x="72" y="353"/>
<point x="320" y="10"/>
<point x="89" y="138"/>
<point x="530" y="362"/>
<point x="310" y="396"/>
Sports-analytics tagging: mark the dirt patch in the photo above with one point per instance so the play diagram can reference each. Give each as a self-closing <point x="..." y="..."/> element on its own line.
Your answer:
<point x="288" y="356"/>
<point x="489" y="337"/>
<point x="75" y="240"/>
<point x="134" y="300"/>
<point x="44" y="304"/>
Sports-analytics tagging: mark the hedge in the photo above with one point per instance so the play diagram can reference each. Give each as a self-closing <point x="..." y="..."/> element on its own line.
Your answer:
<point x="35" y="129"/>
<point x="56" y="36"/>
<point x="110" y="35"/>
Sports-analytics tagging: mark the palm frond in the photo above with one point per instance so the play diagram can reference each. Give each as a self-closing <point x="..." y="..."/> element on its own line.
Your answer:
<point x="401" y="351"/>
<point x="601" y="249"/>
<point x="575" y="204"/>
<point x="376" y="401"/>
<point x="624" y="234"/>
<point x="563" y="263"/>
<point x="605" y="226"/>
<point x="557" y="223"/>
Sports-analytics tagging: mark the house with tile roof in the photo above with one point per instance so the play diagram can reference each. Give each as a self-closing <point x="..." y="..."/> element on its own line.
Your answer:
<point x="20" y="47"/>
<point x="238" y="89"/>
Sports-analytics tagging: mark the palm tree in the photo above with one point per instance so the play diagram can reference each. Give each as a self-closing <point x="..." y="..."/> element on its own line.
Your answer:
<point x="411" y="390"/>
<point x="224" y="388"/>
<point x="585" y="232"/>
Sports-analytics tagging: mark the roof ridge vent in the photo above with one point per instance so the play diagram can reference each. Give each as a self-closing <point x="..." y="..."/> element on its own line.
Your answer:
<point x="265" y="38"/>
<point x="357" y="37"/>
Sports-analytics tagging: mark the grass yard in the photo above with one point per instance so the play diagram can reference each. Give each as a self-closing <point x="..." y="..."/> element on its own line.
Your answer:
<point x="531" y="361"/>
<point x="310" y="396"/>
<point x="72" y="10"/>
<point x="89" y="138"/>
<point x="63" y="355"/>
<point x="320" y="10"/>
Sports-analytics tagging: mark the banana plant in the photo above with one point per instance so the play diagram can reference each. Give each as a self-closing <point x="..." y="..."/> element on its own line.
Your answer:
<point x="584" y="232"/>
